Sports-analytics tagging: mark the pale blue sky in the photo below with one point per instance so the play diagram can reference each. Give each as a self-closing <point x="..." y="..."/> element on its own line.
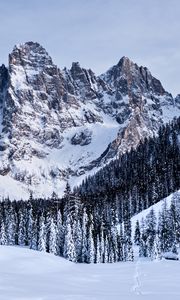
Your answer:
<point x="97" y="33"/>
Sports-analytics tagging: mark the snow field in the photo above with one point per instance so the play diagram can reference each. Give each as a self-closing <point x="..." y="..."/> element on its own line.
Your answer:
<point x="30" y="275"/>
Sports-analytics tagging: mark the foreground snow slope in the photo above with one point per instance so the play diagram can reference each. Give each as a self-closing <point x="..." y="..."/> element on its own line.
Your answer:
<point x="30" y="275"/>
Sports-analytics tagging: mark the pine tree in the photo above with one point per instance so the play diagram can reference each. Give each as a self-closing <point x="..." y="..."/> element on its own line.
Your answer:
<point x="34" y="234"/>
<point x="84" y="237"/>
<point x="21" y="231"/>
<point x="90" y="245"/>
<point x="137" y="234"/>
<point x="130" y="256"/>
<point x="60" y="234"/>
<point x="114" y="244"/>
<point x="52" y="237"/>
<point x="10" y="225"/>
<point x="29" y="225"/>
<point x="151" y="233"/>
<point x="105" y="252"/>
<point x="143" y="241"/>
<point x="77" y="232"/>
<point x="102" y="247"/>
<point x="165" y="230"/>
<point x="175" y="217"/>
<point x="98" y="251"/>
<point x="121" y="244"/>
<point x="42" y="234"/>
<point x="157" y="249"/>
<point x="128" y="250"/>
<point x="3" y="236"/>
<point x="69" y="245"/>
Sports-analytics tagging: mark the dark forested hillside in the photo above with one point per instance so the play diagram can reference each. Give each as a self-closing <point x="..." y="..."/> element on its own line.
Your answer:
<point x="140" y="177"/>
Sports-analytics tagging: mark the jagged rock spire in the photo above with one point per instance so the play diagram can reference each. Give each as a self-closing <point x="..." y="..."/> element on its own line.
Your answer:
<point x="30" y="54"/>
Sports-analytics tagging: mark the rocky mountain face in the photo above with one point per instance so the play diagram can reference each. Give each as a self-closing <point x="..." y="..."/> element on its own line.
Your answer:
<point x="58" y="125"/>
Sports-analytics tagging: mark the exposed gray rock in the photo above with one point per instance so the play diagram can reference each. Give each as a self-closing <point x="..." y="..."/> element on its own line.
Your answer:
<point x="43" y="107"/>
<point x="177" y="101"/>
<point x="82" y="138"/>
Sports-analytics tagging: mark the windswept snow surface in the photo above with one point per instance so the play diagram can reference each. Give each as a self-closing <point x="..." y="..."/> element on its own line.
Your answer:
<point x="29" y="275"/>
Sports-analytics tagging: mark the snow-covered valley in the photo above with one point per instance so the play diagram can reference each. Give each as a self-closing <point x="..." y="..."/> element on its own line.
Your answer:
<point x="30" y="275"/>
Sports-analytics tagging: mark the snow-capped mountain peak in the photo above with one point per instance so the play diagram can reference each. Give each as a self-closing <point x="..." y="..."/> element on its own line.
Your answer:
<point x="30" y="54"/>
<point x="59" y="125"/>
<point x="129" y="77"/>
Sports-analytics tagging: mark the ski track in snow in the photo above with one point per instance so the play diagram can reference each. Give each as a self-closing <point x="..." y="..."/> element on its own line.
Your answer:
<point x="137" y="282"/>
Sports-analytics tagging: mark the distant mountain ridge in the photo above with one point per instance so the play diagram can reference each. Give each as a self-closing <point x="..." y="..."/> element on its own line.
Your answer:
<point x="58" y="125"/>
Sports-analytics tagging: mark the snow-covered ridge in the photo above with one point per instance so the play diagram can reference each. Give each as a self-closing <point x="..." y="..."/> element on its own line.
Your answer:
<point x="157" y="208"/>
<point x="60" y="125"/>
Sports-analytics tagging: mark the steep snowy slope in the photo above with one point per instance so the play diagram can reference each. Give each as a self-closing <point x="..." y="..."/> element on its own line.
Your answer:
<point x="59" y="125"/>
<point x="31" y="275"/>
<point x="156" y="207"/>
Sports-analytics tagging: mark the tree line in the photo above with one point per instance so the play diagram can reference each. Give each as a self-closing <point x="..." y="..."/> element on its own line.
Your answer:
<point x="63" y="227"/>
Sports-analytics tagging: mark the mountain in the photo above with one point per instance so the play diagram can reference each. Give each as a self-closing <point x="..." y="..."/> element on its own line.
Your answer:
<point x="59" y="125"/>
